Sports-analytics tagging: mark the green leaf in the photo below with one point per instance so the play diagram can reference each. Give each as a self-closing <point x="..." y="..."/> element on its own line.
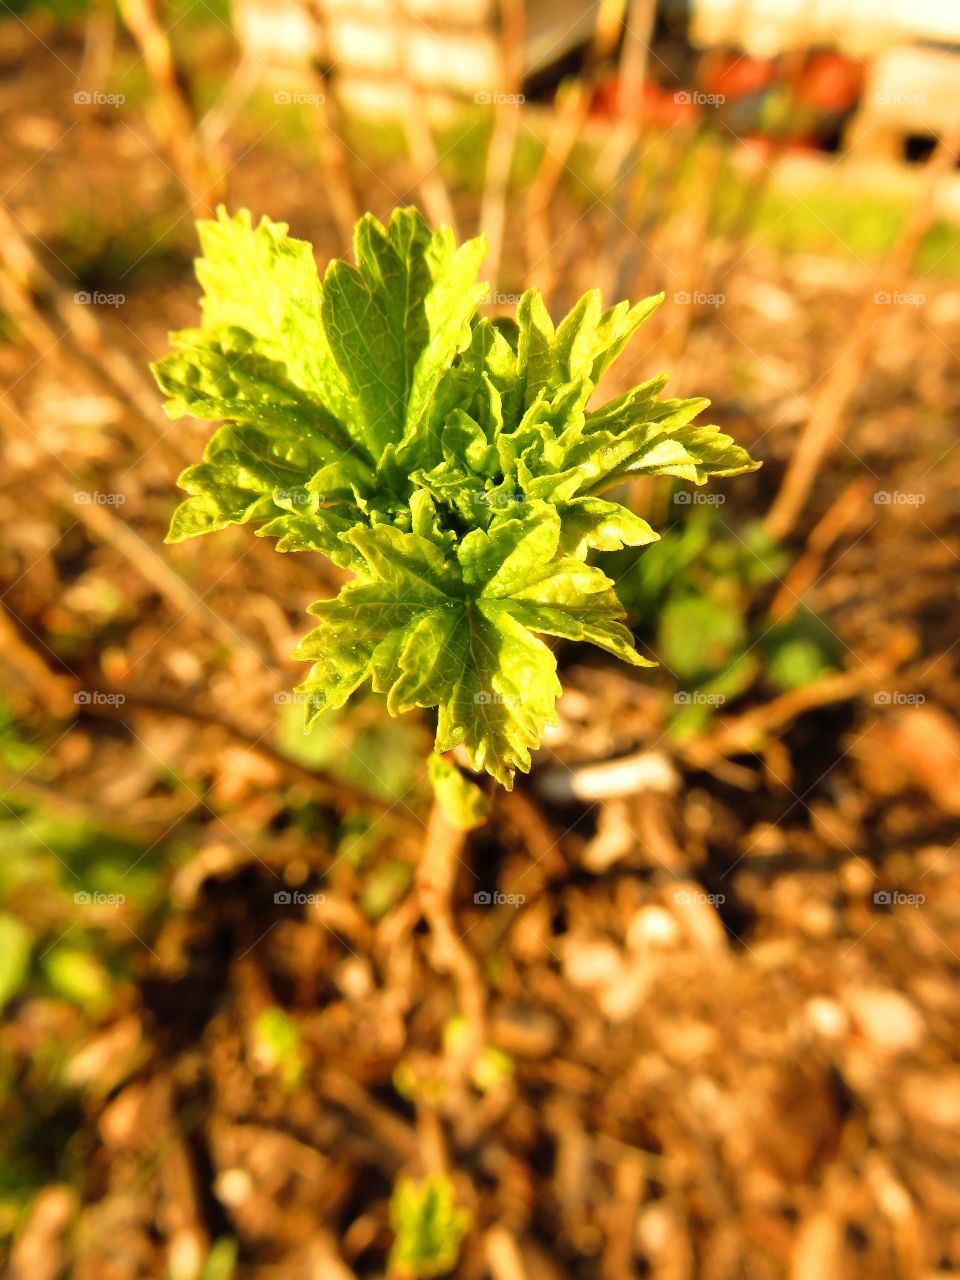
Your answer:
<point x="459" y="633"/>
<point x="79" y="977"/>
<point x="264" y="282"/>
<point x="593" y="524"/>
<point x="584" y="345"/>
<point x="799" y="650"/>
<point x="396" y="320"/>
<point x="428" y="1227"/>
<point x="461" y="800"/>
<point x="698" y="636"/>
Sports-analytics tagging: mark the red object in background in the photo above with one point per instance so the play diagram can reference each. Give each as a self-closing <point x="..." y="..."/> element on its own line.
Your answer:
<point x="829" y="82"/>
<point x="736" y="75"/>
<point x="825" y="85"/>
<point x="653" y="104"/>
<point x="825" y="81"/>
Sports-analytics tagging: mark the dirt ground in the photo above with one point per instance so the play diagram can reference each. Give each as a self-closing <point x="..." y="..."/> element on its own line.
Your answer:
<point x="726" y="1003"/>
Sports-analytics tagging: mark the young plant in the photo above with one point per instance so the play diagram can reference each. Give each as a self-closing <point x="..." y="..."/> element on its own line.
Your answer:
<point x="451" y="463"/>
<point x="428" y="1227"/>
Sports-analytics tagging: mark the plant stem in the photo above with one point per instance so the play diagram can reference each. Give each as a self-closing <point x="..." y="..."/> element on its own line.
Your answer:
<point x="836" y="392"/>
<point x="435" y="880"/>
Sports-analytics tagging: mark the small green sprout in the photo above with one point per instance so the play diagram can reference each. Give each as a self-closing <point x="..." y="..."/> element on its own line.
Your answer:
<point x="428" y="1227"/>
<point x="451" y="463"/>
<point x="276" y="1046"/>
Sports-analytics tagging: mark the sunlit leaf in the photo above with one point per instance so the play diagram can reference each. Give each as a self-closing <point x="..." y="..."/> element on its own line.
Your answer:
<point x="453" y="464"/>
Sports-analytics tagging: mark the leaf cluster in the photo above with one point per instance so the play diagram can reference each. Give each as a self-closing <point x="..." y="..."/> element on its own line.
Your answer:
<point x="428" y="1227"/>
<point x="453" y="463"/>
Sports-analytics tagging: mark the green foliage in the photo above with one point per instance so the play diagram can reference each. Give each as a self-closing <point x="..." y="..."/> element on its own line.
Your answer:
<point x="15" y="946"/>
<point x="695" y="595"/>
<point x="385" y="758"/>
<point x="491" y="1067"/>
<point x="450" y="462"/>
<point x="65" y="961"/>
<point x="221" y="1262"/>
<point x="277" y="1045"/>
<point x="798" y="651"/>
<point x="383" y="886"/>
<point x="461" y="800"/>
<point x="428" y="1227"/>
<point x="16" y="752"/>
<point x="79" y="977"/>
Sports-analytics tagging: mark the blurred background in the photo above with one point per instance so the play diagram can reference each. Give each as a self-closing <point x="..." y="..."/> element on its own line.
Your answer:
<point x="717" y="929"/>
